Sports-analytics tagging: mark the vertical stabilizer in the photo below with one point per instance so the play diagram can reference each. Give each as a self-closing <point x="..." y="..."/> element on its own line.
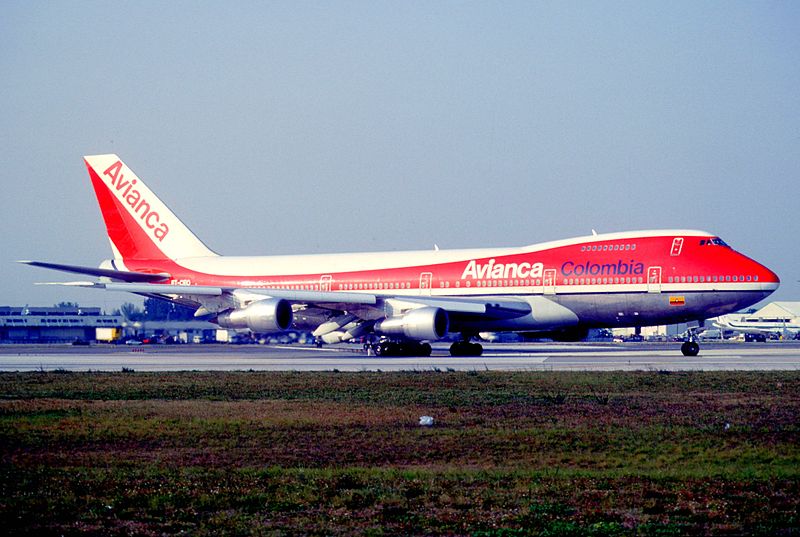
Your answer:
<point x="139" y="225"/>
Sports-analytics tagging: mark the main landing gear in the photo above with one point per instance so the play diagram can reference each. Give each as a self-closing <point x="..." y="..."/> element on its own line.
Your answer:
<point x="399" y="348"/>
<point x="415" y="348"/>
<point x="463" y="347"/>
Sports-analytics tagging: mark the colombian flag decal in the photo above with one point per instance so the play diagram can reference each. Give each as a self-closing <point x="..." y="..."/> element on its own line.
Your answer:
<point x="677" y="301"/>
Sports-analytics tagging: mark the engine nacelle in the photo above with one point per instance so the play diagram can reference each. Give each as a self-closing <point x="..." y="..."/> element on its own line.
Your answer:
<point x="422" y="323"/>
<point x="268" y="315"/>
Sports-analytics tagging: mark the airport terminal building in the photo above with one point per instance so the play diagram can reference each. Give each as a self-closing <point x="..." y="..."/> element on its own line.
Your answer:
<point x="34" y="324"/>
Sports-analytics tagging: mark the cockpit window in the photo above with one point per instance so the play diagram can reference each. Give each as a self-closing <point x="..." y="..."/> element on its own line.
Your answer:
<point x="714" y="241"/>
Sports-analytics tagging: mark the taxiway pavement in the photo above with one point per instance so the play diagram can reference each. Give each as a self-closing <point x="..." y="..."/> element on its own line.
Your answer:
<point x="498" y="357"/>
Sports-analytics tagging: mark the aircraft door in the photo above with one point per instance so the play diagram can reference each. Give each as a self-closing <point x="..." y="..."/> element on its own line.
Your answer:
<point x="325" y="283"/>
<point x="425" y="279"/>
<point x="654" y="280"/>
<point x="677" y="246"/>
<point x="549" y="281"/>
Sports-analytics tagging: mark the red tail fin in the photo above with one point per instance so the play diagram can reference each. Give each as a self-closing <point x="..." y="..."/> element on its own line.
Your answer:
<point x="139" y="225"/>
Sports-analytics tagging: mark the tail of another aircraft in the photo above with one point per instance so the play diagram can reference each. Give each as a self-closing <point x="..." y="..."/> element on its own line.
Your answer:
<point x="139" y="225"/>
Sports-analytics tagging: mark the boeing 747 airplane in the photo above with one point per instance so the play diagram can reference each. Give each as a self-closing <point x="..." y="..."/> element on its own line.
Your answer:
<point x="407" y="299"/>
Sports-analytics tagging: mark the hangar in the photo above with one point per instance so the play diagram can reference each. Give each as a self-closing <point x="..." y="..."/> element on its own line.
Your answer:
<point x="780" y="312"/>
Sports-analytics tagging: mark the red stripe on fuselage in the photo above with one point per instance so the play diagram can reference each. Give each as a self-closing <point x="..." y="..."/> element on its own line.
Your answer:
<point x="617" y="262"/>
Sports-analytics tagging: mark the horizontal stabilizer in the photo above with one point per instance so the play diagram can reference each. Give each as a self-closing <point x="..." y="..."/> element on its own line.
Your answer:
<point x="122" y="275"/>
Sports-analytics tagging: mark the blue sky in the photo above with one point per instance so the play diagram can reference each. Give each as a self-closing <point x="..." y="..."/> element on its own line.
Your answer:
<point x="295" y="127"/>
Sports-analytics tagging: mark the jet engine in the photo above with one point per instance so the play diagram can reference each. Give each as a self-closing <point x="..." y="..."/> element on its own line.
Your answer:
<point x="422" y="323"/>
<point x="268" y="315"/>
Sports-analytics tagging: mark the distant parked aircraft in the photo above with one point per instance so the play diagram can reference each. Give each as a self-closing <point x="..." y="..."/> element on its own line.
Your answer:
<point x="748" y="324"/>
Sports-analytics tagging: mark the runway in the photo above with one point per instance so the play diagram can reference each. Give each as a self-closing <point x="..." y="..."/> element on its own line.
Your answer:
<point x="496" y="357"/>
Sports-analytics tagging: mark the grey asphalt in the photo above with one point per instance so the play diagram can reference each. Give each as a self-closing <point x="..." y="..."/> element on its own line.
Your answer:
<point x="498" y="357"/>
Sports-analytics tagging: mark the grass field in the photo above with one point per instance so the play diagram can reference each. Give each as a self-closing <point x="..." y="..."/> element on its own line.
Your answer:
<point x="342" y="453"/>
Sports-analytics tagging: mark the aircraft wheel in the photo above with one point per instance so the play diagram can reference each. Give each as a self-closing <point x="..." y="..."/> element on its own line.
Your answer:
<point x="393" y="349"/>
<point x="457" y="349"/>
<point x="690" y="348"/>
<point x="465" y="348"/>
<point x="425" y="349"/>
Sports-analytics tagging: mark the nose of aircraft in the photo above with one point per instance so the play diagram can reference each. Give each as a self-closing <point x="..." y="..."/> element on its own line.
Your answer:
<point x="768" y="279"/>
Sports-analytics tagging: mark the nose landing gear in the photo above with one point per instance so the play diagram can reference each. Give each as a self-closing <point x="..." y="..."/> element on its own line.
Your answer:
<point x="690" y="347"/>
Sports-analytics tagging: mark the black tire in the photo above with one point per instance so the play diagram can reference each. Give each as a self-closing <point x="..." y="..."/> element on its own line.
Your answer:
<point x="465" y="348"/>
<point x="690" y="348"/>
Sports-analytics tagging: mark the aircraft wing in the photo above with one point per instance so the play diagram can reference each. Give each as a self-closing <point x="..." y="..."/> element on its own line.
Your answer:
<point x="336" y="315"/>
<point x="210" y="291"/>
<point x="466" y="308"/>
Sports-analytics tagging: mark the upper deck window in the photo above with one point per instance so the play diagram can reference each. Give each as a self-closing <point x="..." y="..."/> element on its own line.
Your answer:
<point x="713" y="241"/>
